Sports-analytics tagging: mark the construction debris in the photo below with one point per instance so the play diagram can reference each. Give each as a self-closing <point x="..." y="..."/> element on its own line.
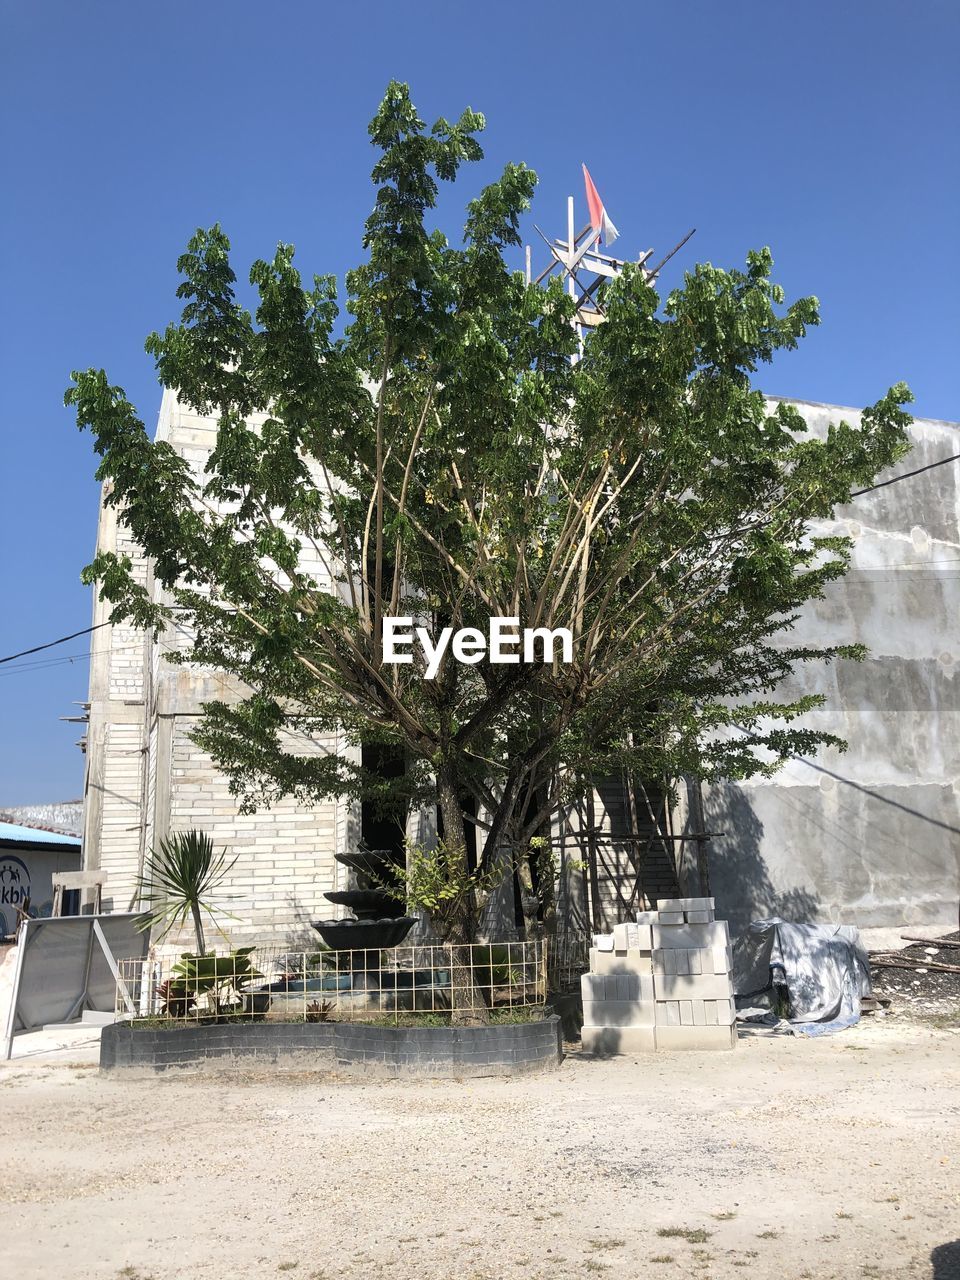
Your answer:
<point x="922" y="980"/>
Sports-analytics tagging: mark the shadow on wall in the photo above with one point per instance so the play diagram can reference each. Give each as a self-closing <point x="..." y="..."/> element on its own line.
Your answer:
<point x="739" y="878"/>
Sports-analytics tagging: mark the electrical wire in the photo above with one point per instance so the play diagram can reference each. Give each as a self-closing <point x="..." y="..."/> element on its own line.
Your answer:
<point x="51" y="643"/>
<point x="857" y="493"/>
<point x="906" y="475"/>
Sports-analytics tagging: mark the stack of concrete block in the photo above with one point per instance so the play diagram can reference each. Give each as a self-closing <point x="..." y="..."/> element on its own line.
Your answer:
<point x="662" y="982"/>
<point x="691" y="977"/>
<point x="618" y="992"/>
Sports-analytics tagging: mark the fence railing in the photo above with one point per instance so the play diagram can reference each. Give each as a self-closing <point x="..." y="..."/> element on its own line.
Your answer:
<point x="316" y="986"/>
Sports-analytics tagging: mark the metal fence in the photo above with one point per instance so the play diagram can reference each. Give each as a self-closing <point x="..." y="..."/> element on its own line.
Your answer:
<point x="362" y="986"/>
<point x="569" y="958"/>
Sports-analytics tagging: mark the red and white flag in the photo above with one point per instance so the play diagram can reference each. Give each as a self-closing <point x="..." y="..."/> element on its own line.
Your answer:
<point x="599" y="219"/>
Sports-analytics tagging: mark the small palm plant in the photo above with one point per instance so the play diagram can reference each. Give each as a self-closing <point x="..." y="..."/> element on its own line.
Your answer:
<point x="185" y="871"/>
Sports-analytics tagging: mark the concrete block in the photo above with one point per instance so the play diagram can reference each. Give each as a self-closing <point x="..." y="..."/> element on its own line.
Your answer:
<point x="603" y="941"/>
<point x="598" y="986"/>
<point x="670" y="917"/>
<point x="703" y="986"/>
<point x="618" y="1013"/>
<point x="721" y="959"/>
<point x="626" y="986"/>
<point x="667" y="1013"/>
<point x="686" y="904"/>
<point x="608" y="1041"/>
<point x="691" y="935"/>
<point x="648" y="917"/>
<point x="694" y="963"/>
<point x="699" y="1014"/>
<point x="94" y="1018"/>
<point x="680" y="961"/>
<point x="640" y="937"/>
<point x="686" y="1013"/>
<point x="698" y="917"/>
<point x="607" y="962"/>
<point x="659" y="961"/>
<point x="635" y="986"/>
<point x="726" y="1012"/>
<point x="631" y="937"/>
<point x="694" y="1038"/>
<point x="710" y="1013"/>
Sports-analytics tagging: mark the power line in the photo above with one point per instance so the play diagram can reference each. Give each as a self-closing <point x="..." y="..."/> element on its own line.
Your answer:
<point x="856" y="494"/>
<point x="42" y="664"/>
<point x="906" y="475"/>
<point x="50" y="643"/>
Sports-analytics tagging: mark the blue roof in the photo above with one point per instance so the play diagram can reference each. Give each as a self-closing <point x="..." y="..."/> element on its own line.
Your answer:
<point x="31" y="835"/>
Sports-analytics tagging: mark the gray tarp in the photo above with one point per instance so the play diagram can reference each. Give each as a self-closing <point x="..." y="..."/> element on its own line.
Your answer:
<point x="823" y="967"/>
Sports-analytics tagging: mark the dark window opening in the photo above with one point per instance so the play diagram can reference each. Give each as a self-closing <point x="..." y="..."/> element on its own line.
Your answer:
<point x="383" y="823"/>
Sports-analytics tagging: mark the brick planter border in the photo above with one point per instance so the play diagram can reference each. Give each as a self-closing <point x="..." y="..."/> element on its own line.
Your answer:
<point x="505" y="1049"/>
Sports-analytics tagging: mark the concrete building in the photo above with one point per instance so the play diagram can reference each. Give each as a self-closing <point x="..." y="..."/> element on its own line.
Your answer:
<point x="145" y="779"/>
<point x="870" y="837"/>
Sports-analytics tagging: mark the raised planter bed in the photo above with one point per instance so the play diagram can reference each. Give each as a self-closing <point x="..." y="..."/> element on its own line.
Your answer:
<point x="502" y="1049"/>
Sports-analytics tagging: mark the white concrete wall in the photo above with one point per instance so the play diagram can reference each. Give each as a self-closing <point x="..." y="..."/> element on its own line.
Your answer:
<point x="146" y="779"/>
<point x="879" y="843"/>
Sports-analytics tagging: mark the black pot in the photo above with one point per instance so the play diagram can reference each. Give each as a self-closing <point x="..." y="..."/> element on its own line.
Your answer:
<point x="368" y="862"/>
<point x="367" y="904"/>
<point x="364" y="935"/>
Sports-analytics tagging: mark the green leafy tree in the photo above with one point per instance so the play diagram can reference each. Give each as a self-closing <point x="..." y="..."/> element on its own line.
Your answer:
<point x="443" y="457"/>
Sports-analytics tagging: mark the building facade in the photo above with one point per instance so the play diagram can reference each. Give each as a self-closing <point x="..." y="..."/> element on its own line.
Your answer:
<point x="870" y="837"/>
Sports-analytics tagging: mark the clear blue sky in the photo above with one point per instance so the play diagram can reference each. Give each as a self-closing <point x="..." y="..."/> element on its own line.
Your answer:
<point x="828" y="131"/>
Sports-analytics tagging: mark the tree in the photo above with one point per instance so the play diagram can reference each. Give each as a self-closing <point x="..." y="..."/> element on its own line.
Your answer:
<point x="185" y="872"/>
<point x="444" y="458"/>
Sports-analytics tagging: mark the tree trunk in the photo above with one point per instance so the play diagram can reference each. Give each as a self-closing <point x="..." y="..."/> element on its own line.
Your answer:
<point x="198" y="929"/>
<point x="468" y="1007"/>
<point x="529" y="899"/>
<point x="548" y="901"/>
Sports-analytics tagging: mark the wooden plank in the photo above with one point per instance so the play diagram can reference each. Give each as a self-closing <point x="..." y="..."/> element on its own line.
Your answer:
<point x="912" y="966"/>
<point x="78" y="879"/>
<point x="599" y="267"/>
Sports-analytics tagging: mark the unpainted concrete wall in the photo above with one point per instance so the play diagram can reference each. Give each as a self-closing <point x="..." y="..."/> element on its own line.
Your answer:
<point x="870" y="836"/>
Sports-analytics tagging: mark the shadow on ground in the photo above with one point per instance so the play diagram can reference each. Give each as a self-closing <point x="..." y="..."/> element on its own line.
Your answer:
<point x="946" y="1261"/>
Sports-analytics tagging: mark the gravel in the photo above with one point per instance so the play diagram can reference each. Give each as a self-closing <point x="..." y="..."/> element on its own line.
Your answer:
<point x="794" y="1158"/>
<point x="920" y="992"/>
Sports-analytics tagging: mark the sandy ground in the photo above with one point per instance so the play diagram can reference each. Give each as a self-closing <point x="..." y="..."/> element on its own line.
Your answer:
<point x="788" y="1158"/>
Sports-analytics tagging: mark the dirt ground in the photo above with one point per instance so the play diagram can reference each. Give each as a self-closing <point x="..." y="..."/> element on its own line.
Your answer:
<point x="789" y="1158"/>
